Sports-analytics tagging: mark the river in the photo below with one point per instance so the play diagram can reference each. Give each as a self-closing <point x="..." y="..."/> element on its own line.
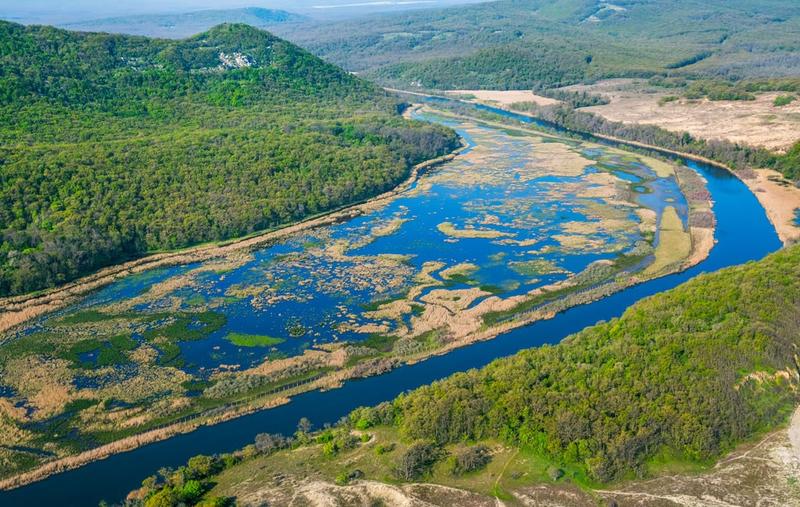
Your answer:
<point x="743" y="233"/>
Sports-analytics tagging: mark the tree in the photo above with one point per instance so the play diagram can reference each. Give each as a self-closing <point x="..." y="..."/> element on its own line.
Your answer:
<point x="418" y="459"/>
<point x="201" y="466"/>
<point x="304" y="425"/>
<point x="267" y="443"/>
<point x="164" y="498"/>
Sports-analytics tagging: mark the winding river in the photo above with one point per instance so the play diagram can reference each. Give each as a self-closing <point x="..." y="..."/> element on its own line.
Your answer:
<point x="743" y="233"/>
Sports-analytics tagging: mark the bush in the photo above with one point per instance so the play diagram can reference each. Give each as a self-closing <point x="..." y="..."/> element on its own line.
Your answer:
<point x="667" y="99"/>
<point x="200" y="467"/>
<point x="342" y="479"/>
<point x="267" y="443"/>
<point x="217" y="501"/>
<point x="384" y="448"/>
<point x="164" y="498"/>
<point x="418" y="460"/>
<point x="470" y="459"/>
<point x="335" y="441"/>
<point x="191" y="491"/>
<point x="554" y="473"/>
<point x="345" y="477"/>
<point x="784" y="100"/>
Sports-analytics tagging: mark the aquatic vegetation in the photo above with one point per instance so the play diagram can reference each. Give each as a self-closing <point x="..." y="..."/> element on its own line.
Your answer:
<point x="449" y="229"/>
<point x="459" y="271"/>
<point x="535" y="267"/>
<point x="253" y="340"/>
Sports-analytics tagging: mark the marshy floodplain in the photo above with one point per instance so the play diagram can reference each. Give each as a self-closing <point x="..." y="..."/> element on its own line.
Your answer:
<point x="516" y="228"/>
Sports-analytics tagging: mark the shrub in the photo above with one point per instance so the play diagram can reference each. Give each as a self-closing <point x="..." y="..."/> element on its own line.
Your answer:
<point x="342" y="479"/>
<point x="200" y="467"/>
<point x="667" y="99"/>
<point x="418" y="460"/>
<point x="384" y="448"/>
<point x="164" y="498"/>
<point x="784" y="100"/>
<point x="191" y="491"/>
<point x="216" y="501"/>
<point x="471" y="459"/>
<point x="267" y="443"/>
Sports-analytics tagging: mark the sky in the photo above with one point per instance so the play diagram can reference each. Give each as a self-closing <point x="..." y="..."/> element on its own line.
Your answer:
<point x="62" y="11"/>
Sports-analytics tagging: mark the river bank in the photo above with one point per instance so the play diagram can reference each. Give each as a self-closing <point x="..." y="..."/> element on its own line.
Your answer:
<point x="779" y="197"/>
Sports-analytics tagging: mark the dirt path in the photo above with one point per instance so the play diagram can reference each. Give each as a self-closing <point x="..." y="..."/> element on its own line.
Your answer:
<point x="794" y="433"/>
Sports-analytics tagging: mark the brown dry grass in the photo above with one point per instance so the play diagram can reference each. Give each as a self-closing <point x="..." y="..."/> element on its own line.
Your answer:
<point x="757" y="123"/>
<point x="505" y="97"/>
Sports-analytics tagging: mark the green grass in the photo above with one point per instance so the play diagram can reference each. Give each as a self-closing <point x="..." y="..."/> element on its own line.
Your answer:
<point x="383" y="343"/>
<point x="783" y="100"/>
<point x="253" y="340"/>
<point x="93" y="316"/>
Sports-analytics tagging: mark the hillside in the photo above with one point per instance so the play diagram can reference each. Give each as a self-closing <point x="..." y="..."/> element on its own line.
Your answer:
<point x="485" y="45"/>
<point x="185" y="24"/>
<point x="681" y="378"/>
<point x="115" y="146"/>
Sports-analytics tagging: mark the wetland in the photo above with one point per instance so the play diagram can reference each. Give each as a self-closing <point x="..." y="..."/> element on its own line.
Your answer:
<point x="520" y="226"/>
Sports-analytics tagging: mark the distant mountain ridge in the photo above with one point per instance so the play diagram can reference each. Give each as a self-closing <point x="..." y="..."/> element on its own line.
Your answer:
<point x="185" y="24"/>
<point x="484" y="45"/>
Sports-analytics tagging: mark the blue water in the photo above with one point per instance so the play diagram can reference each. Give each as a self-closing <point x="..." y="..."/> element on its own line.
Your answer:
<point x="743" y="234"/>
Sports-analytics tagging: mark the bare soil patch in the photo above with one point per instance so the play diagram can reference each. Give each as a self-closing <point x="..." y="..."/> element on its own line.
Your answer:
<point x="504" y="97"/>
<point x="780" y="199"/>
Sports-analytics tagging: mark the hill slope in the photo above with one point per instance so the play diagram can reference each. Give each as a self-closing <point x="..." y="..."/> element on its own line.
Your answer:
<point x="454" y="48"/>
<point x="113" y="146"/>
<point x="679" y="379"/>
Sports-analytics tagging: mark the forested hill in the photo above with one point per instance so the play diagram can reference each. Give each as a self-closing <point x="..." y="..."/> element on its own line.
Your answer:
<point x="684" y="375"/>
<point x="113" y="146"/>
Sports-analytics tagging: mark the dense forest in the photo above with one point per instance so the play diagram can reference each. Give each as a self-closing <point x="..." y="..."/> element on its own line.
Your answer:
<point x="115" y="146"/>
<point x="682" y="376"/>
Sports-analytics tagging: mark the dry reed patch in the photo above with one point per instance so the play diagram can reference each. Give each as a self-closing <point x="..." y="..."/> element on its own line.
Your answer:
<point x="674" y="243"/>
